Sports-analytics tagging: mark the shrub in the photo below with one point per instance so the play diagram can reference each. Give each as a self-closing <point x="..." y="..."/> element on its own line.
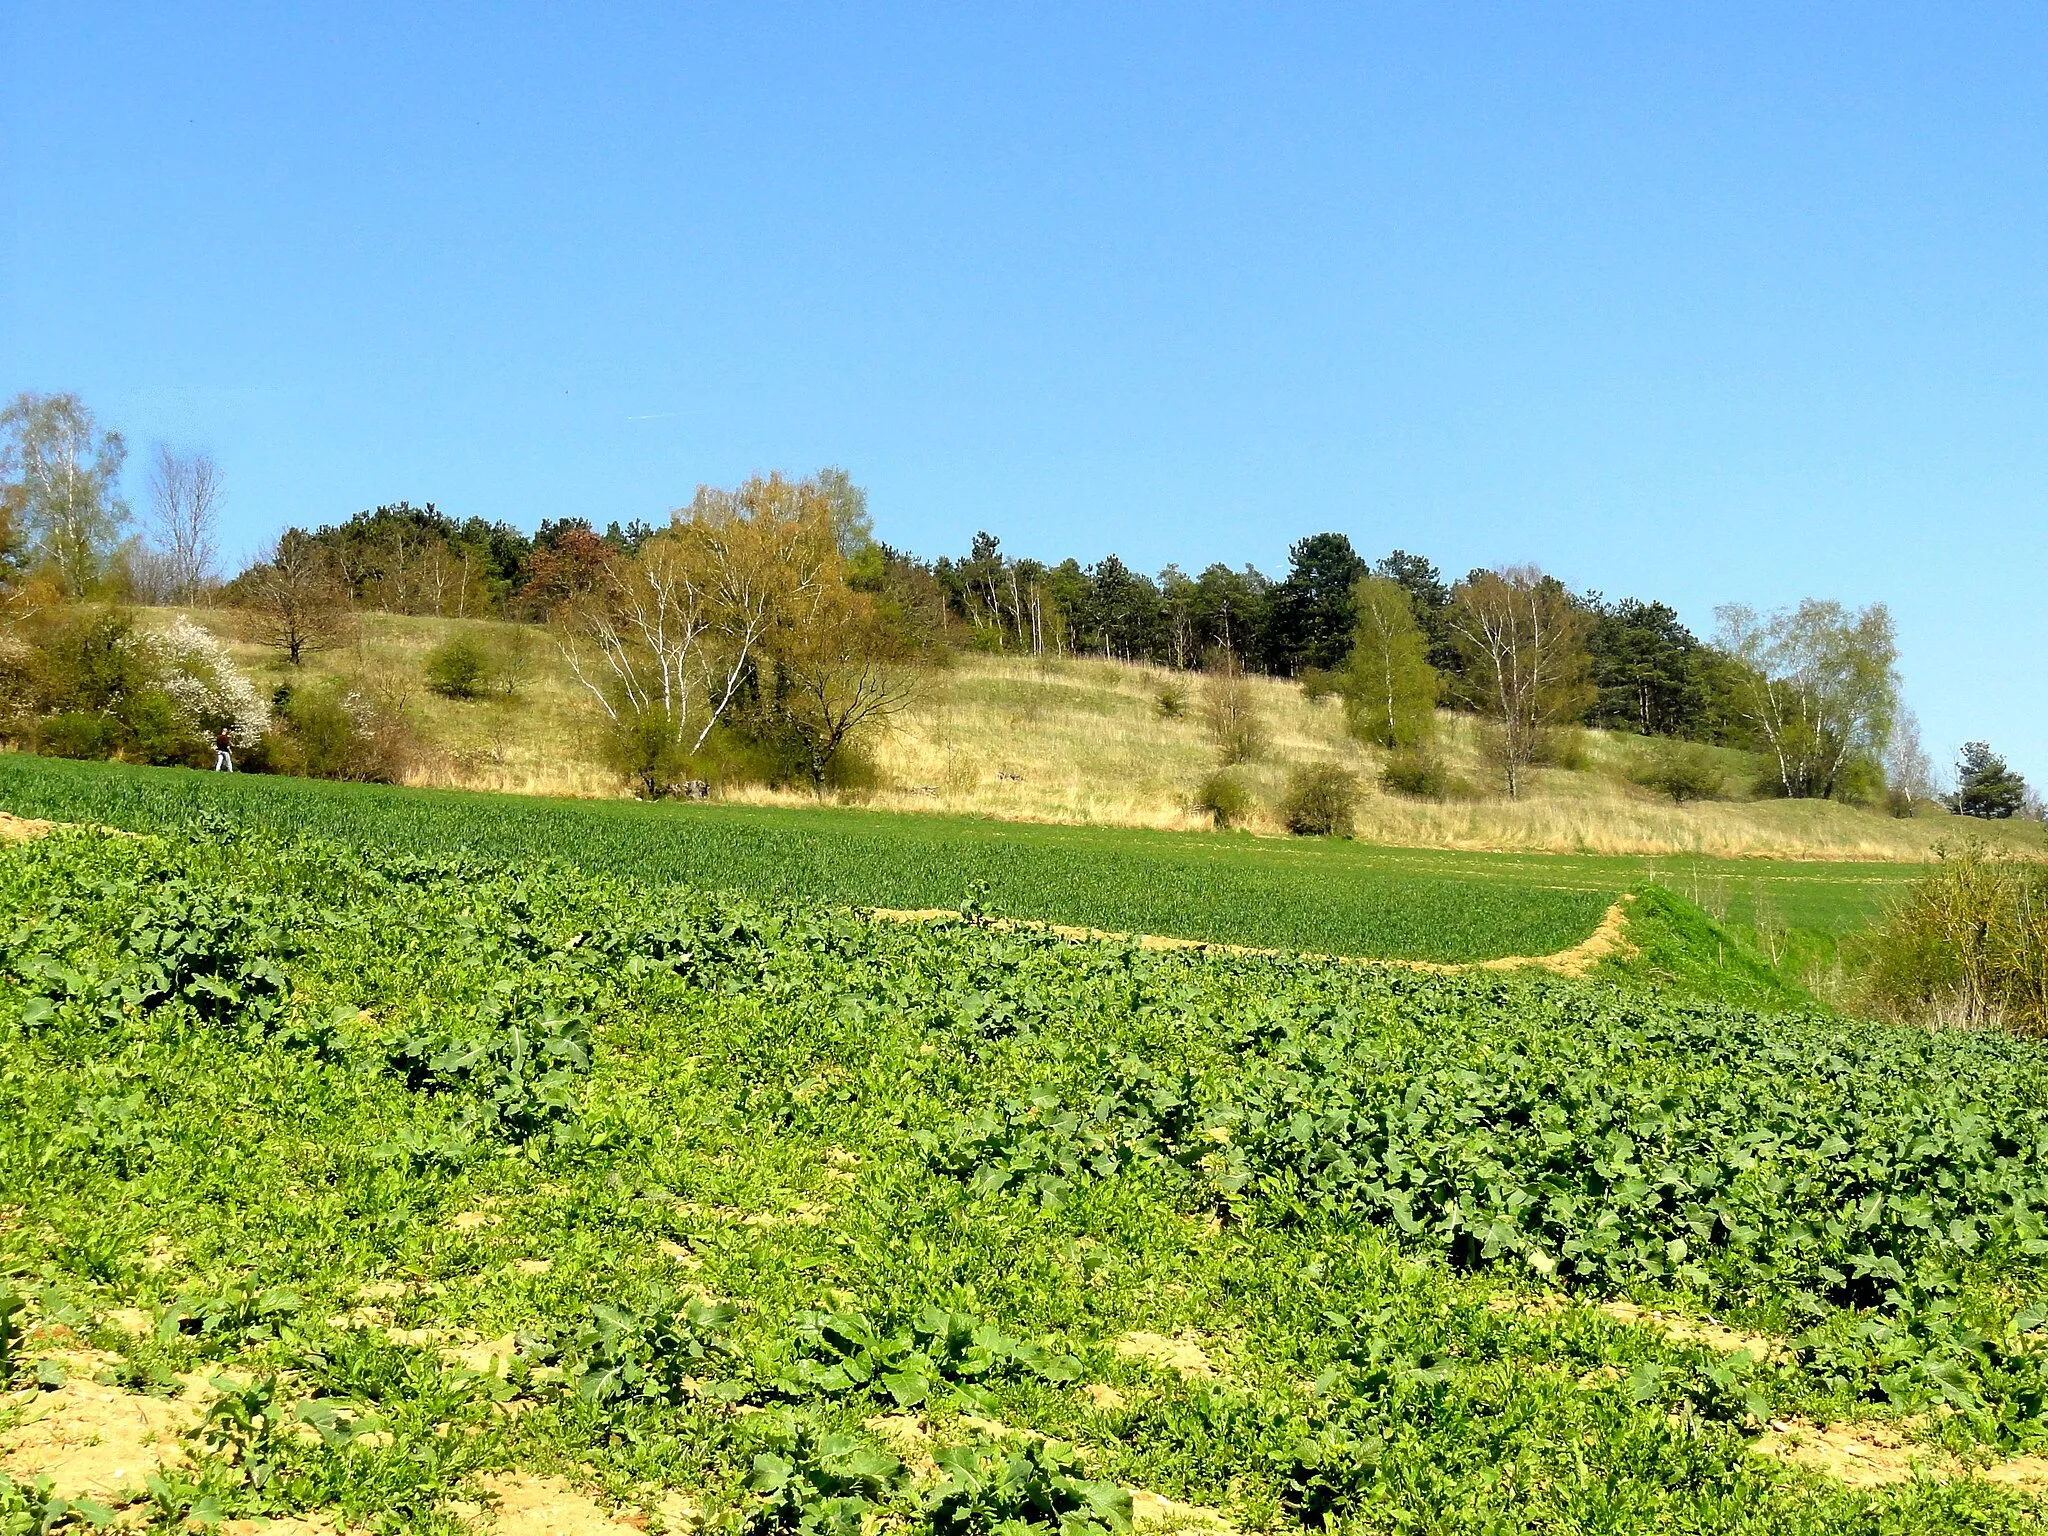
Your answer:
<point x="1563" y="747"/>
<point x="336" y="733"/>
<point x="1226" y="799"/>
<point x="1967" y="945"/>
<point x="79" y="733"/>
<point x="1319" y="683"/>
<point x="1422" y="776"/>
<point x="642" y="748"/>
<point x="460" y="668"/>
<point x="1319" y="800"/>
<point x="1172" y="701"/>
<point x="1683" y="770"/>
<point x="1231" y="712"/>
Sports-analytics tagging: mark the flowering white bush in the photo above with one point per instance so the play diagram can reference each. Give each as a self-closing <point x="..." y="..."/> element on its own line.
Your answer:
<point x="208" y="690"/>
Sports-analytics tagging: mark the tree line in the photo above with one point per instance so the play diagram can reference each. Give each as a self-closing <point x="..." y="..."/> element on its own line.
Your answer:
<point x="771" y="612"/>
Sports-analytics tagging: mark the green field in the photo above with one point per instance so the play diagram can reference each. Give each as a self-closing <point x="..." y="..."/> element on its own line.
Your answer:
<point x="416" y="1175"/>
<point x="1327" y="896"/>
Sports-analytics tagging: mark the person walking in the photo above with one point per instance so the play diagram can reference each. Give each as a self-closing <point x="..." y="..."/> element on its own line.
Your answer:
<point x="223" y="757"/>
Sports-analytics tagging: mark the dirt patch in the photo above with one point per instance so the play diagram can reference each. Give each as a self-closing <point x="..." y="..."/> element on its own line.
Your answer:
<point x="489" y="1357"/>
<point x="1610" y="938"/>
<point x="19" y="829"/>
<point x="1182" y="1355"/>
<point x="2025" y="1472"/>
<point x="1103" y="1397"/>
<point x="534" y="1266"/>
<point x="678" y="1254"/>
<point x="1874" y="1453"/>
<point x="96" y="1442"/>
<point x="474" y="1221"/>
<point x="1699" y="1330"/>
<point x="1856" y="1455"/>
<point x="1673" y="1325"/>
<point x="907" y="1436"/>
<point x="526" y="1505"/>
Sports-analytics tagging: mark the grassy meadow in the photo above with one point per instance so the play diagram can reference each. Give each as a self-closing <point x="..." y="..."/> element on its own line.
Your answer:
<point x="1085" y="742"/>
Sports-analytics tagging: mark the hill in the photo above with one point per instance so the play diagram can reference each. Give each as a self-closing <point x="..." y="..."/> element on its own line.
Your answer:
<point x="1086" y="741"/>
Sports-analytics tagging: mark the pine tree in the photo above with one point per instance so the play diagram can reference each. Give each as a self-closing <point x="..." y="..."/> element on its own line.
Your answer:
<point x="1985" y="786"/>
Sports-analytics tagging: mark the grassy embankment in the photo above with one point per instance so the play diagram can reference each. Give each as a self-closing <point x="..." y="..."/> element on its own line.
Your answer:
<point x="1085" y="742"/>
<point x="626" y="1208"/>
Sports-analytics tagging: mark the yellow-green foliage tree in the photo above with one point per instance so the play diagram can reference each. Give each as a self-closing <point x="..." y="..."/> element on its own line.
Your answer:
<point x="1390" y="690"/>
<point x="744" y="594"/>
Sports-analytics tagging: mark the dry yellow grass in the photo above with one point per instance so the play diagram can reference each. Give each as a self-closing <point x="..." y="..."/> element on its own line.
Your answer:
<point x="1084" y="741"/>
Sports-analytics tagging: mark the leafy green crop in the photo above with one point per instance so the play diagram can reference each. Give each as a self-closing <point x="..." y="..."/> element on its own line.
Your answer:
<point x="765" y="1194"/>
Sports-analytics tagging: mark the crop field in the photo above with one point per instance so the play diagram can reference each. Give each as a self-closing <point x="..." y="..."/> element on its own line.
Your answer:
<point x="404" y="1191"/>
<point x="1330" y="897"/>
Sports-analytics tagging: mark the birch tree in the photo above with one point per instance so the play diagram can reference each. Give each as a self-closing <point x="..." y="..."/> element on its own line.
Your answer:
<point x="1523" y="639"/>
<point x="676" y="631"/>
<point x="61" y="486"/>
<point x="1390" y="690"/>
<point x="186" y="493"/>
<point x="1819" y="683"/>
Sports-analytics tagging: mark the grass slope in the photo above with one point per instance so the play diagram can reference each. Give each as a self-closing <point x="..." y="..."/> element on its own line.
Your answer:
<point x="323" y="1115"/>
<point x="1084" y="741"/>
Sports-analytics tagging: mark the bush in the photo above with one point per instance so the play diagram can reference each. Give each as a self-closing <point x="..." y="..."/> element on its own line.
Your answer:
<point x="1226" y="799"/>
<point x="642" y="748"/>
<point x="1319" y="683"/>
<point x="1563" y="746"/>
<point x="87" y="682"/>
<point x="334" y="733"/>
<point x="1683" y="770"/>
<point x="1319" y="800"/>
<point x="79" y="733"/>
<point x="1172" y="701"/>
<point x="1422" y="776"/>
<point x="1968" y="945"/>
<point x="460" y="668"/>
<point x="1231" y="712"/>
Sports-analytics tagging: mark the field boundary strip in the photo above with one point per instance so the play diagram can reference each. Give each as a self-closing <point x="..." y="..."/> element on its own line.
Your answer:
<point x="1608" y="940"/>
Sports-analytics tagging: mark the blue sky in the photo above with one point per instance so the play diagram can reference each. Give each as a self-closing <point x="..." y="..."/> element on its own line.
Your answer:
<point x="1708" y="304"/>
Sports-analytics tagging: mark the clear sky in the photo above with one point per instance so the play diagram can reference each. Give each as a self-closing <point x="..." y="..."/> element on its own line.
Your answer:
<point x="1704" y="303"/>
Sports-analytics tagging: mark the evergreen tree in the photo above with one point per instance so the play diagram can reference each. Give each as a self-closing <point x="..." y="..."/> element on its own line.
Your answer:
<point x="1985" y="786"/>
<point x="1646" y="670"/>
<point x="1312" y="612"/>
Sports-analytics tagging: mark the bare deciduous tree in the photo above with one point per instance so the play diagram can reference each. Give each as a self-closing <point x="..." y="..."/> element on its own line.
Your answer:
<point x="293" y="599"/>
<point x="838" y="667"/>
<point x="186" y="493"/>
<point x="1524" y="641"/>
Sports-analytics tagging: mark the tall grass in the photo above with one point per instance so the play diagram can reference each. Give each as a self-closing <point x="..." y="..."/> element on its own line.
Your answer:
<point x="1086" y="741"/>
